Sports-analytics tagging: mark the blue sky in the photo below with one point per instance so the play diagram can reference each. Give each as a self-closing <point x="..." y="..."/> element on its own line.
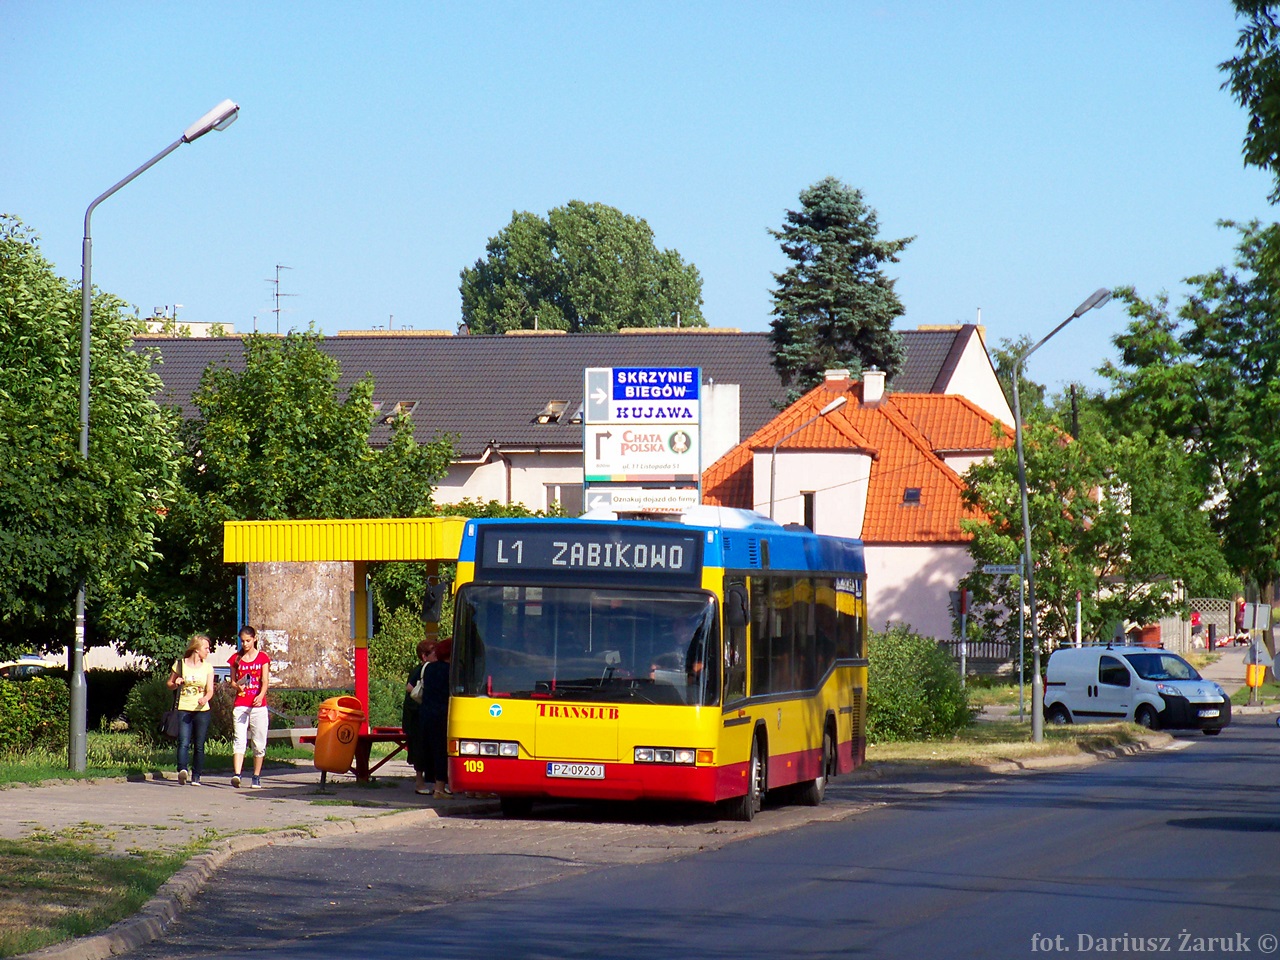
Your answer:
<point x="1036" y="151"/>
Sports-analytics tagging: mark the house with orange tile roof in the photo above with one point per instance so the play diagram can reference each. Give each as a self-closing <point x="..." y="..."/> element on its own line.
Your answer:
<point x="883" y="467"/>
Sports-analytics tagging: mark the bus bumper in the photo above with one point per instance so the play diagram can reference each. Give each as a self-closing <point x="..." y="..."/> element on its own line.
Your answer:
<point x="621" y="781"/>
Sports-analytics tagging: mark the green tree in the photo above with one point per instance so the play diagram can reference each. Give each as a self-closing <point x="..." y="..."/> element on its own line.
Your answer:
<point x="62" y="518"/>
<point x="586" y="268"/>
<point x="275" y="442"/>
<point x="834" y="306"/>
<point x="1208" y="374"/>
<point x="1254" y="81"/>
<point x="1118" y="518"/>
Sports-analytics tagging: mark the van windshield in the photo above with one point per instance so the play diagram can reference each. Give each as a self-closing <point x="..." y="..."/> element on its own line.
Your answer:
<point x="1161" y="666"/>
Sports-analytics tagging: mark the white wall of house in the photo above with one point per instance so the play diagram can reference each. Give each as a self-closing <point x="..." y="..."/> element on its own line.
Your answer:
<point x="913" y="584"/>
<point x="473" y="481"/>
<point x="961" y="463"/>
<point x="720" y="419"/>
<point x="975" y="380"/>
<point x="837" y="480"/>
<point x="527" y="477"/>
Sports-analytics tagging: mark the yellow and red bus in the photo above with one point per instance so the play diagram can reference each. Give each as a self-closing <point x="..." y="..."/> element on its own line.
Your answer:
<point x="634" y="660"/>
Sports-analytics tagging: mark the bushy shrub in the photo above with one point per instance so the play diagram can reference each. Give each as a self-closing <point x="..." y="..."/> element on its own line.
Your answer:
<point x="34" y="713"/>
<point x="145" y="704"/>
<point x="393" y="650"/>
<point x="386" y="697"/>
<point x="914" y="690"/>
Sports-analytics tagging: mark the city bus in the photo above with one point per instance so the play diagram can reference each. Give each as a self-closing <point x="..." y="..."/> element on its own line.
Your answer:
<point x="712" y="658"/>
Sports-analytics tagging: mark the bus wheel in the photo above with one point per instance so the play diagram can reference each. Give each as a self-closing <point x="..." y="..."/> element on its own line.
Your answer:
<point x="747" y="806"/>
<point x="516" y="808"/>
<point x="812" y="793"/>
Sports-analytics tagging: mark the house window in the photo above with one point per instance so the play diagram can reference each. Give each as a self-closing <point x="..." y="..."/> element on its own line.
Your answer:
<point x="567" y="495"/>
<point x="808" y="508"/>
<point x="552" y="412"/>
<point x="911" y="495"/>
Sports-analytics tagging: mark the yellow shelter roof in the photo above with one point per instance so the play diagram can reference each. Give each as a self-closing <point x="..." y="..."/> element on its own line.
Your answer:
<point x="407" y="538"/>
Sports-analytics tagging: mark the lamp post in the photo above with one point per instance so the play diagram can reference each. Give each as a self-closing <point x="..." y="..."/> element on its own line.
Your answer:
<point x="219" y="118"/>
<point x="1096" y="299"/>
<point x="831" y="407"/>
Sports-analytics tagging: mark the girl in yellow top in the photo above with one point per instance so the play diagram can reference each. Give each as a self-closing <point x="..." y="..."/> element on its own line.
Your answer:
<point x="193" y="676"/>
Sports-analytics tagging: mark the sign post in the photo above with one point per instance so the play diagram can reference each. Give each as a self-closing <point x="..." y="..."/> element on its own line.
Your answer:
<point x="641" y="446"/>
<point x="1005" y="570"/>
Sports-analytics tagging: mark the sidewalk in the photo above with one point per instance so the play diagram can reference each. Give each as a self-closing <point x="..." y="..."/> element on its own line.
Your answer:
<point x="121" y="815"/>
<point x="1228" y="670"/>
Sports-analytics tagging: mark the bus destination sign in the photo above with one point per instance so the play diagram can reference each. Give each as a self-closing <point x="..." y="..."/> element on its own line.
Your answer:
<point x="513" y="551"/>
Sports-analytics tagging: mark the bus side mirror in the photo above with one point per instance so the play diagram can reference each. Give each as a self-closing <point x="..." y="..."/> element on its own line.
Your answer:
<point x="735" y="605"/>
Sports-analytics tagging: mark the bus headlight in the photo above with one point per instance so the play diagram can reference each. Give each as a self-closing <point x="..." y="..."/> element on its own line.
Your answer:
<point x="678" y="755"/>
<point x="488" y="748"/>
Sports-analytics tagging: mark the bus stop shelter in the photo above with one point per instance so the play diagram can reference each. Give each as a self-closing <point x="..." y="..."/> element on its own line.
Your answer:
<point x="426" y="540"/>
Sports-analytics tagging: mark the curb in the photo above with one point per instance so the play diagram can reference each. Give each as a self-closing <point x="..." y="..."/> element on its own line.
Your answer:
<point x="161" y="910"/>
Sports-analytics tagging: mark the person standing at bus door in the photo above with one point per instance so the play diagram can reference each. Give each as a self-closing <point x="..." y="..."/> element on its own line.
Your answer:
<point x="193" y="677"/>
<point x="411" y="724"/>
<point x="251" y="676"/>
<point x="434" y="716"/>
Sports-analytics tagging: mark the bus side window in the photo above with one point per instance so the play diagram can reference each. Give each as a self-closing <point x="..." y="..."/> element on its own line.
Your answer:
<point x="737" y="615"/>
<point x="761" y="634"/>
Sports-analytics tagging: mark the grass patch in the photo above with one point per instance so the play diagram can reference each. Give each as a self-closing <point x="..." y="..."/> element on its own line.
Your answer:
<point x="993" y="741"/>
<point x="1267" y="693"/>
<point x="69" y="888"/>
<point x="123" y="755"/>
<point x="994" y="692"/>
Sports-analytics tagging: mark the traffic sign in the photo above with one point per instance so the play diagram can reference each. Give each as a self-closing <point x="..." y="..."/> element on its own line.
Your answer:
<point x="642" y="499"/>
<point x="639" y="453"/>
<point x="1000" y="568"/>
<point x="641" y="394"/>
<point x="1257" y="616"/>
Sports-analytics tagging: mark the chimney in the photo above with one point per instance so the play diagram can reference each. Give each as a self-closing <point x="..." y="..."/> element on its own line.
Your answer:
<point x="832" y="376"/>
<point x="872" y="386"/>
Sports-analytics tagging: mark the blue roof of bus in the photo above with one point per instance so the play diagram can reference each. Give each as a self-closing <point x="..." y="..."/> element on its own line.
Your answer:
<point x="736" y="545"/>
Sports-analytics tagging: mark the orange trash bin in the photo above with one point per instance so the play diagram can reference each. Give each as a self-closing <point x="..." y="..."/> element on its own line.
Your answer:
<point x="337" y="728"/>
<point x="1253" y="674"/>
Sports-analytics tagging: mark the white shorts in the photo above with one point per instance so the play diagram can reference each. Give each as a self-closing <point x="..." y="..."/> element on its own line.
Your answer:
<point x="251" y="724"/>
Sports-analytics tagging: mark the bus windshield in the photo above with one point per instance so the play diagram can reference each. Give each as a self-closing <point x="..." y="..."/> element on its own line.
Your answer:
<point x="595" y="645"/>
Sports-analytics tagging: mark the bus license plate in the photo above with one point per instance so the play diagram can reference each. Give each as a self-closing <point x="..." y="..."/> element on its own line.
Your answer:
<point x="576" y="771"/>
<point x="1208" y="713"/>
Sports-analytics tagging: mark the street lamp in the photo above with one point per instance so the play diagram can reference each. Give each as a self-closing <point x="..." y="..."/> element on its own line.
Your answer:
<point x="1096" y="299"/>
<point x="831" y="407"/>
<point x="219" y="118"/>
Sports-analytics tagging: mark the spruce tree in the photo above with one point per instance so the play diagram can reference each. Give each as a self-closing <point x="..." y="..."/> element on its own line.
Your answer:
<point x="834" y="307"/>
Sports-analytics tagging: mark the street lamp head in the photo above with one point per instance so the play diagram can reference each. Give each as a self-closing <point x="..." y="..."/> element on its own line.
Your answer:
<point x="833" y="406"/>
<point x="1096" y="299"/>
<point x="219" y="118"/>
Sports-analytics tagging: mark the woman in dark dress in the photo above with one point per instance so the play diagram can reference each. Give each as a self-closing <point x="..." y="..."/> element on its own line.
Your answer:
<point x="434" y="717"/>
<point x="411" y="724"/>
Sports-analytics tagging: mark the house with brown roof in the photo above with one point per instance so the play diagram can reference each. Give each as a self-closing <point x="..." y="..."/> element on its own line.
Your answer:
<point x="884" y="467"/>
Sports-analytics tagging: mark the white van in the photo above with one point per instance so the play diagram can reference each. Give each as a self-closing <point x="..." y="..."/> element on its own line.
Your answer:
<point x="1148" y="686"/>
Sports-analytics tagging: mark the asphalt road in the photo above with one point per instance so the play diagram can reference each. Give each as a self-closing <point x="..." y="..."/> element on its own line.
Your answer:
<point x="1179" y="844"/>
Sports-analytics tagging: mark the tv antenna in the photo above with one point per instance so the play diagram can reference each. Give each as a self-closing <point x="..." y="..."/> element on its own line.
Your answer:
<point x="277" y="294"/>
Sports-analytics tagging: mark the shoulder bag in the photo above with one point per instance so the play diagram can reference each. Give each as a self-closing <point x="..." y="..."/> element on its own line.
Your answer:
<point x="171" y="720"/>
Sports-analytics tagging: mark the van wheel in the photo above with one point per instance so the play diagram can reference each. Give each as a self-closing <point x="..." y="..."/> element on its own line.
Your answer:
<point x="1212" y="733"/>
<point x="1146" y="717"/>
<point x="746" y="807"/>
<point x="812" y="793"/>
<point x="1057" y="714"/>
